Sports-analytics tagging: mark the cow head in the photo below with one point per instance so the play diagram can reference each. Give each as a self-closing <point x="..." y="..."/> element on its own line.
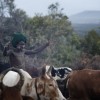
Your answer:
<point x="44" y="87"/>
<point x="59" y="74"/>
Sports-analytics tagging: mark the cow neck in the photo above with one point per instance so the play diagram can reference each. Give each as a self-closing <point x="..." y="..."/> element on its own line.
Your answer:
<point x="36" y="90"/>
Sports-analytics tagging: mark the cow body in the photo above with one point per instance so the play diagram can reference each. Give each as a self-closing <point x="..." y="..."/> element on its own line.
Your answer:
<point x="84" y="85"/>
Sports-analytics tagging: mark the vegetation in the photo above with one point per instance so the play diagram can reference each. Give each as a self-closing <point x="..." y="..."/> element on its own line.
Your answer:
<point x="91" y="43"/>
<point x="66" y="46"/>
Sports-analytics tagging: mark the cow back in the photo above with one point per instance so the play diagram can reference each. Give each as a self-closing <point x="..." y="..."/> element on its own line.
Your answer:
<point x="84" y="84"/>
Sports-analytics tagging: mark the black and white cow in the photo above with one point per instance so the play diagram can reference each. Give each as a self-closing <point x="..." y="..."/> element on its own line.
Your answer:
<point x="60" y="74"/>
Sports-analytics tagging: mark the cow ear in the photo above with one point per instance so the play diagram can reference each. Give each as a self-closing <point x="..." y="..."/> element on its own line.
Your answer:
<point x="40" y="87"/>
<point x="49" y="70"/>
<point x="43" y="71"/>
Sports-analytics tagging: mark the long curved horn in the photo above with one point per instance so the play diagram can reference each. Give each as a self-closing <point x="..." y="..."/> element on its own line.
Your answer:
<point x="19" y="84"/>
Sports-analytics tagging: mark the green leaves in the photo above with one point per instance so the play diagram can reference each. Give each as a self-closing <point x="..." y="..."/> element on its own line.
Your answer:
<point x="92" y="43"/>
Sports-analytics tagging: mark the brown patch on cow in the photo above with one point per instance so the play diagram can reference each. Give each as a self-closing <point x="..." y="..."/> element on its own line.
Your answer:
<point x="10" y="93"/>
<point x="29" y="88"/>
<point x="40" y="86"/>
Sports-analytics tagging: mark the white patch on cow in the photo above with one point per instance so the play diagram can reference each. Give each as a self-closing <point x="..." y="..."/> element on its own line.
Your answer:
<point x="25" y="74"/>
<point x="44" y="97"/>
<point x="56" y="77"/>
<point x="67" y="83"/>
<point x="47" y="67"/>
<point x="60" y="95"/>
<point x="48" y="77"/>
<point x="27" y="80"/>
<point x="69" y="69"/>
<point x="11" y="79"/>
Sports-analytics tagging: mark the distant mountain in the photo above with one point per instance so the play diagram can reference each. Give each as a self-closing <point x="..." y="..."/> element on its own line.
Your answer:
<point x="85" y="21"/>
<point x="86" y="17"/>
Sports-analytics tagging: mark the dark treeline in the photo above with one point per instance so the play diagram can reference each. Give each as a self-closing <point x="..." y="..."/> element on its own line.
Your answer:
<point x="66" y="49"/>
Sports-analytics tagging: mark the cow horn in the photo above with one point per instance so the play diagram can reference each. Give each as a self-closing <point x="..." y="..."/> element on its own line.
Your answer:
<point x="19" y="84"/>
<point x="49" y="70"/>
<point x="43" y="71"/>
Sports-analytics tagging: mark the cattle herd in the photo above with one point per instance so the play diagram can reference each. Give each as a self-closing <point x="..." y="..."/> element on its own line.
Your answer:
<point x="55" y="83"/>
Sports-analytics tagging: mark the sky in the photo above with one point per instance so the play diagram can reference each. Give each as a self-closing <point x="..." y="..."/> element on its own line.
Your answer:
<point x="71" y="7"/>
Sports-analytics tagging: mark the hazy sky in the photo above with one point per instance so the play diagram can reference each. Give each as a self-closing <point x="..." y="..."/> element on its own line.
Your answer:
<point x="70" y="6"/>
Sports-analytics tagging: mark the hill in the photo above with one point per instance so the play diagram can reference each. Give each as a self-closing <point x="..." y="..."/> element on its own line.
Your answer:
<point x="85" y="21"/>
<point x="86" y="17"/>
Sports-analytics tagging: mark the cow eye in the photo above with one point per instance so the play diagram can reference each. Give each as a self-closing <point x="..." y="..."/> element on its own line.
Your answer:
<point x="50" y="84"/>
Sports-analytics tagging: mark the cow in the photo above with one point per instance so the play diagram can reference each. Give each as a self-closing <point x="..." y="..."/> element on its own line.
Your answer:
<point x="40" y="88"/>
<point x="84" y="85"/>
<point x="60" y="74"/>
<point x="11" y="91"/>
<point x="43" y="87"/>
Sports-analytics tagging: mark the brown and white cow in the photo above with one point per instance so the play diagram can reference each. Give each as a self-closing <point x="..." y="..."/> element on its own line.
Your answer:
<point x="40" y="88"/>
<point x="84" y="85"/>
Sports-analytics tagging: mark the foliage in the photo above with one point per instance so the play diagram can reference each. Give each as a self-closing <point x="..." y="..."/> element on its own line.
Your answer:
<point x="91" y="43"/>
<point x="12" y="19"/>
<point x="54" y="27"/>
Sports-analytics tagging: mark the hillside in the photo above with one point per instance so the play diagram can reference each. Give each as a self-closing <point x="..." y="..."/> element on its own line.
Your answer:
<point x="85" y="21"/>
<point x="86" y="17"/>
<point x="83" y="29"/>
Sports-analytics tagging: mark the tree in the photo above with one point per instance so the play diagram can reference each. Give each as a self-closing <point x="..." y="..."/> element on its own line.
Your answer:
<point x="56" y="28"/>
<point x="12" y="19"/>
<point x="91" y="43"/>
<point x="55" y="12"/>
